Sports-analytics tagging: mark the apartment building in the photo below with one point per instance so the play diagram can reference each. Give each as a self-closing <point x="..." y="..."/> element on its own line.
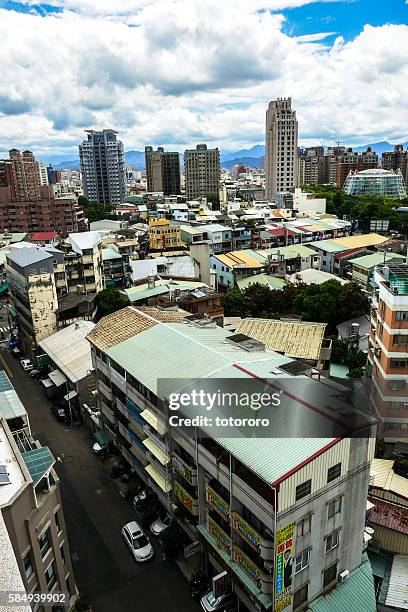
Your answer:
<point x="163" y="235"/>
<point x="202" y="173"/>
<point x="396" y="160"/>
<point x="83" y="262"/>
<point x="27" y="203"/>
<point x="163" y="171"/>
<point x="387" y="366"/>
<point x="281" y="143"/>
<point x="283" y="517"/>
<point x="102" y="162"/>
<point x="362" y="268"/>
<point x="30" y="504"/>
<point x="30" y="274"/>
<point x="354" y="161"/>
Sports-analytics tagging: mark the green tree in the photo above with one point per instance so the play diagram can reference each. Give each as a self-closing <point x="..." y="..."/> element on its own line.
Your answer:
<point x="96" y="212"/>
<point x="352" y="303"/>
<point x="234" y="303"/>
<point x="109" y="300"/>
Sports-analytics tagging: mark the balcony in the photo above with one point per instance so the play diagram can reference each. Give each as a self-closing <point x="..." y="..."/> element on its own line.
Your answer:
<point x="189" y="473"/>
<point x="186" y="500"/>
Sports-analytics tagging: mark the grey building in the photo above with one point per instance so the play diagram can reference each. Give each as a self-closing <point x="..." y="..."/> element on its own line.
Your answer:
<point x="202" y="172"/>
<point x="281" y="143"/>
<point x="163" y="171"/>
<point x="103" y="167"/>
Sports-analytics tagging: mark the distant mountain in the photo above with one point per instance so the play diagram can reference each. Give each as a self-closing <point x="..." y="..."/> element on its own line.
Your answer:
<point x="380" y="147"/>
<point x="256" y="151"/>
<point x="252" y="162"/>
<point x="72" y="164"/>
<point x="135" y="159"/>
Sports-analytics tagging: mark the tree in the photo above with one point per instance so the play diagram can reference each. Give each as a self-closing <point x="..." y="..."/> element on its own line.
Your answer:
<point x="109" y="300"/>
<point x="352" y="303"/>
<point x="96" y="212"/>
<point x="234" y="304"/>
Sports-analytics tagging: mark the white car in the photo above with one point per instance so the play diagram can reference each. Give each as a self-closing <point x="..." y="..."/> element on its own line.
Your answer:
<point x="161" y="524"/>
<point x="138" y="542"/>
<point x="26" y="365"/>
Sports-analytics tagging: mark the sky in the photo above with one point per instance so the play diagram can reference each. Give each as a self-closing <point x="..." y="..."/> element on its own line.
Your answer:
<point x="177" y="73"/>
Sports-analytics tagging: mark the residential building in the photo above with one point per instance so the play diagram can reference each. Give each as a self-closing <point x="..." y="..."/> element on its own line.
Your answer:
<point x="83" y="262"/>
<point x="154" y="289"/>
<point x="281" y="143"/>
<point x="283" y="261"/>
<point x="354" y="161"/>
<point x="202" y="173"/>
<point x="329" y="249"/>
<point x="10" y="579"/>
<point x="376" y="182"/>
<point x="163" y="235"/>
<point x="247" y="500"/>
<point x="31" y="508"/>
<point x="362" y="268"/>
<point x="163" y="171"/>
<point x="32" y="288"/>
<point x="306" y="202"/>
<point x="113" y="267"/>
<point x="396" y="160"/>
<point x="103" y="167"/>
<point x="42" y="169"/>
<point x="28" y="206"/>
<point x="387" y="366"/>
<point x="230" y="267"/>
<point x="311" y="168"/>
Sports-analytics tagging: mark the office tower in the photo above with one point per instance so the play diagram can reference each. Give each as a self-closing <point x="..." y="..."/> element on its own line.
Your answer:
<point x="103" y="168"/>
<point x="163" y="171"/>
<point x="202" y="173"/>
<point x="353" y="160"/>
<point x="281" y="142"/>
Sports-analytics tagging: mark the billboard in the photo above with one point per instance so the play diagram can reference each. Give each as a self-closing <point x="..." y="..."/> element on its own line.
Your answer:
<point x="283" y="567"/>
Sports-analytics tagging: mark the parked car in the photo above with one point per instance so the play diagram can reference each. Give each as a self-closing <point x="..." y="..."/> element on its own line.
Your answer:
<point x="37" y="373"/>
<point x="161" y="524"/>
<point x="138" y="542"/>
<point x="27" y="365"/>
<point x="139" y="497"/>
<point x="58" y="412"/>
<point x="16" y="352"/>
<point x="97" y="448"/>
<point x="225" y="602"/>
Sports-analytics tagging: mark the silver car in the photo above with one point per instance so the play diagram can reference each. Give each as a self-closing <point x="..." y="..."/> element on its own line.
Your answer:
<point x="161" y="524"/>
<point x="138" y="542"/>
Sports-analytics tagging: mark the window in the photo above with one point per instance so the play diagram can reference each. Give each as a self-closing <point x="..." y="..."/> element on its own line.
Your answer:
<point x="304" y="526"/>
<point x="399" y="339"/>
<point x="302" y="561"/>
<point x="28" y="565"/>
<point x="62" y="551"/>
<point x="50" y="576"/>
<point x="399" y="363"/>
<point x="57" y="523"/>
<point x="401" y="315"/>
<point x="303" y="489"/>
<point x="300" y="596"/>
<point x="332" y="540"/>
<point x="334" y="507"/>
<point x="44" y="542"/>
<point x="329" y="575"/>
<point x="333" y="472"/>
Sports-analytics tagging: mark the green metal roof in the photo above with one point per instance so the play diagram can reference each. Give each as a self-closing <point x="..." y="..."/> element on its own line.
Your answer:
<point x="329" y="246"/>
<point x="262" y="279"/>
<point x="38" y="462"/>
<point x="110" y="253"/>
<point x="370" y="261"/>
<point x="181" y="352"/>
<point x="142" y="292"/>
<point x="356" y="593"/>
<point x="289" y="252"/>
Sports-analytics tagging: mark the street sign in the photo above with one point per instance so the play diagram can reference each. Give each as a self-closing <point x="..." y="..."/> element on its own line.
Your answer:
<point x="220" y="584"/>
<point x="192" y="549"/>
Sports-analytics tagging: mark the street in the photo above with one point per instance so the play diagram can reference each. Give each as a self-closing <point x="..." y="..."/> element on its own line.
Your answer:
<point x="105" y="572"/>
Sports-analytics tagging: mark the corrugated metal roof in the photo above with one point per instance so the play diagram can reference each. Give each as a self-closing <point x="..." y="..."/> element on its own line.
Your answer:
<point x="263" y="279"/>
<point x="310" y="276"/>
<point x="356" y="593"/>
<point x="38" y="462"/>
<point x="289" y="252"/>
<point x="10" y="404"/>
<point x="375" y="259"/>
<point x="26" y="256"/>
<point x="293" y="338"/>
<point x="397" y="595"/>
<point x="384" y="477"/>
<point x="236" y="259"/>
<point x="389" y="515"/>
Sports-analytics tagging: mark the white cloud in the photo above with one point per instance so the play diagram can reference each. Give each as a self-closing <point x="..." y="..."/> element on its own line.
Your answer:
<point x="177" y="73"/>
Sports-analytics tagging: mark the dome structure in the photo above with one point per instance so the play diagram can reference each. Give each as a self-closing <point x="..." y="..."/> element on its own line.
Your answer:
<point x="375" y="182"/>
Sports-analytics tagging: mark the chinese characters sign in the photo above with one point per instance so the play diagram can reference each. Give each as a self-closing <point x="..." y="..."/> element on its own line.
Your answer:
<point x="283" y="567"/>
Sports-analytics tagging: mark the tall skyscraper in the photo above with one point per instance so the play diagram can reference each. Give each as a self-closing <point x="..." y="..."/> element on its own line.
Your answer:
<point x="103" y="167"/>
<point x="281" y="142"/>
<point x="202" y="172"/>
<point x="163" y="171"/>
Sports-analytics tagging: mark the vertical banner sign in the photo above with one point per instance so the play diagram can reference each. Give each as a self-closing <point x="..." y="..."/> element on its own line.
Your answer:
<point x="220" y="584"/>
<point x="283" y="567"/>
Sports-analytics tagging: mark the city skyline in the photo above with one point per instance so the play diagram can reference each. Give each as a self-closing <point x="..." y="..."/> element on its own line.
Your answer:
<point x="183" y="79"/>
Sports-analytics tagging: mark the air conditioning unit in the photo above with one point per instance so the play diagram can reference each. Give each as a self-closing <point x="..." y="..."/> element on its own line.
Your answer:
<point x="343" y="576"/>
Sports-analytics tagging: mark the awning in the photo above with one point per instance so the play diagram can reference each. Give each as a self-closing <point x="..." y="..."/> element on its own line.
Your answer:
<point x="57" y="378"/>
<point x="38" y="461"/>
<point x="156" y="451"/>
<point x="70" y="395"/>
<point x="152" y="419"/>
<point x="158" y="478"/>
<point x="369" y="505"/>
<point x="102" y="437"/>
<point x="47" y="382"/>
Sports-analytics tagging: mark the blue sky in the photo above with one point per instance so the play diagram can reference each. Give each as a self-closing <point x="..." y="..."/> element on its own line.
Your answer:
<point x="345" y="18"/>
<point x="179" y="72"/>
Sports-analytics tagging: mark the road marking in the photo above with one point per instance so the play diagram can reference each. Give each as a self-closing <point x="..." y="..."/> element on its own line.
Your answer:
<point x="5" y="366"/>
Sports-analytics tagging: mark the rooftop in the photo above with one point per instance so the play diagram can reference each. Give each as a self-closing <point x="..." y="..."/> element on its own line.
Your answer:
<point x="11" y="406"/>
<point x="382" y="476"/>
<point x="288" y="252"/>
<point x="310" y="276"/>
<point x="84" y="240"/>
<point x="25" y="256"/>
<point x="241" y="259"/>
<point x="298" y="339"/>
<point x="70" y="351"/>
<point x="263" y="279"/>
<point x="44" y="236"/>
<point x="109" y="253"/>
<point x="73" y="300"/>
<point x="375" y="259"/>
<point x="14" y="470"/>
<point x="161" y="286"/>
<point x="38" y="461"/>
<point x="397" y="595"/>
